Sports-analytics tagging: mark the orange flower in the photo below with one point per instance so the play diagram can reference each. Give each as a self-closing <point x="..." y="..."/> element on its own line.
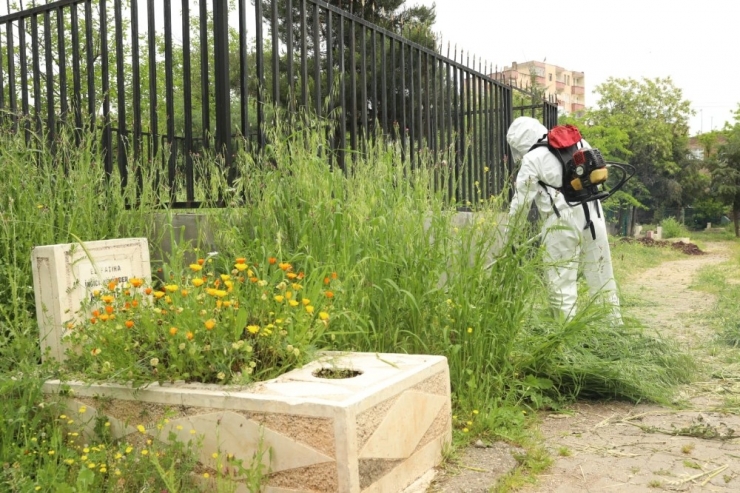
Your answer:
<point x="333" y="275"/>
<point x="93" y="320"/>
<point x="284" y="266"/>
<point x="301" y="275"/>
<point x="292" y="275"/>
<point x="241" y="260"/>
<point x="184" y="293"/>
<point x="327" y="280"/>
<point x="96" y="313"/>
<point x="329" y="294"/>
<point x="148" y="291"/>
<point x="210" y="324"/>
<point x="135" y="303"/>
<point x="104" y="317"/>
<point x="108" y="309"/>
<point x="189" y="336"/>
<point x="201" y="261"/>
<point x="197" y="282"/>
<point x="272" y="260"/>
<point x="108" y="299"/>
<point x="254" y="279"/>
<point x="158" y="294"/>
<point x="112" y="285"/>
<point x="129" y="324"/>
<point x="127" y="305"/>
<point x="136" y="282"/>
<point x="127" y="293"/>
<point x="173" y="331"/>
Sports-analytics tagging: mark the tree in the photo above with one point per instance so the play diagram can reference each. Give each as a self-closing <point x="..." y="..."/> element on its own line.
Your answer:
<point x="726" y="172"/>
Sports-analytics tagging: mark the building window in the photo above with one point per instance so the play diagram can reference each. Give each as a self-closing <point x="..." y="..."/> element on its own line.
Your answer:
<point x="550" y="77"/>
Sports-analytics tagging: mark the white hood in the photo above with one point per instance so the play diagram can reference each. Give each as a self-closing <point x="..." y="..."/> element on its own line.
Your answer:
<point x="523" y="133"/>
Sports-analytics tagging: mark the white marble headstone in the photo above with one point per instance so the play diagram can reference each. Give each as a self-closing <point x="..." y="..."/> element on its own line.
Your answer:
<point x="65" y="275"/>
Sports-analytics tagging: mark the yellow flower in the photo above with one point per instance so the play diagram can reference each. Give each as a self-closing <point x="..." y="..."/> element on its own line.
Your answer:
<point x="289" y="294"/>
<point x="171" y="288"/>
<point x="225" y="277"/>
<point x="107" y="299"/>
<point x="83" y="458"/>
<point x="118" y="472"/>
<point x="158" y="294"/>
<point x="306" y="301"/>
<point x="173" y="331"/>
<point x="103" y="470"/>
<point x="206" y="475"/>
<point x="196" y="267"/>
<point x="240" y="267"/>
<point x="465" y="430"/>
<point x="470" y="330"/>
<point x="192" y="432"/>
<point x="141" y="428"/>
<point x="475" y="411"/>
<point x="323" y="316"/>
<point x="51" y="452"/>
<point x="82" y="410"/>
<point x="197" y="282"/>
<point x="293" y="303"/>
<point x="309" y="309"/>
<point x="296" y="286"/>
<point x="129" y="449"/>
<point x="86" y="450"/>
<point x="144" y="452"/>
<point x="253" y="329"/>
<point x="136" y="282"/>
<point x="91" y="465"/>
<point x="214" y="455"/>
<point x="69" y="461"/>
<point x="279" y="298"/>
<point x="179" y="427"/>
<point x="469" y="423"/>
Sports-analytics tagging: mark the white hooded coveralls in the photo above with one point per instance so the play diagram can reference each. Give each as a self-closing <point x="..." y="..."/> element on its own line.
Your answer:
<point x="567" y="239"/>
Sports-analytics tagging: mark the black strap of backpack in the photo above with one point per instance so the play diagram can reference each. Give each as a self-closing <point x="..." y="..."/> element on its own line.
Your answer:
<point x="589" y="222"/>
<point x="552" y="202"/>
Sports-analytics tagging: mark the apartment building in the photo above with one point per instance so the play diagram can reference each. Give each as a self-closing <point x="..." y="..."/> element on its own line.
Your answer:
<point x="567" y="85"/>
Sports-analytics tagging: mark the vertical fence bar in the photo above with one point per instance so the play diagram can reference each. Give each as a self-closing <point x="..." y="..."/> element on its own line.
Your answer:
<point x="62" y="64"/>
<point x="330" y="60"/>
<point x="412" y="114"/>
<point x="50" y="109"/>
<point x="170" y="102"/>
<point x="317" y="60"/>
<point x="394" y="124"/>
<point x="243" y="70"/>
<point x="289" y="55"/>
<point x="223" y="100"/>
<point x="427" y="129"/>
<point x="403" y="104"/>
<point x="2" y="79"/>
<point x="375" y="78"/>
<point x="205" y="86"/>
<point x="304" y="55"/>
<point x="353" y="82"/>
<point x="36" y="71"/>
<point x="11" y="73"/>
<point x="419" y="109"/>
<point x="363" y="76"/>
<point x="136" y="94"/>
<point x="105" y="86"/>
<point x="384" y="73"/>
<point x="188" y="104"/>
<point x="121" y="91"/>
<point x="342" y="95"/>
<point x="275" y="55"/>
<point x="260" y="67"/>
<point x="76" y="81"/>
<point x="153" y="99"/>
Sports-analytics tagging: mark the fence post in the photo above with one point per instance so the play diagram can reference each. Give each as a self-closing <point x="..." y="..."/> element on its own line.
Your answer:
<point x="223" y="98"/>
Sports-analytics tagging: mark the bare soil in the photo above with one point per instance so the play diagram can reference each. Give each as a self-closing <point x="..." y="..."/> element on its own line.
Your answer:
<point x="622" y="447"/>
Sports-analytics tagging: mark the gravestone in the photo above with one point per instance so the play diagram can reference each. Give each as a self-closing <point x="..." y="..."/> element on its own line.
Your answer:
<point x="65" y="275"/>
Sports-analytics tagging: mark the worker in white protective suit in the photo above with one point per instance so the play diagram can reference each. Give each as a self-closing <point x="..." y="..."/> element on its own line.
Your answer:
<point x="570" y="234"/>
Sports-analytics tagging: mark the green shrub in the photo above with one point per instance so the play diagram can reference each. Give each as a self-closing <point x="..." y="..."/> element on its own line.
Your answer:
<point x="673" y="229"/>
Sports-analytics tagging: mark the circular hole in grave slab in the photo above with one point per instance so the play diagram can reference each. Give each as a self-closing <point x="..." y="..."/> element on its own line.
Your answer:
<point x="336" y="373"/>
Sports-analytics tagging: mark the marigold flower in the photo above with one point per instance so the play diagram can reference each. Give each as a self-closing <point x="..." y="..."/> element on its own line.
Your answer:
<point x="197" y="282"/>
<point x="323" y="316"/>
<point x="470" y="330"/>
<point x="148" y="291"/>
<point x="171" y="288"/>
<point x="82" y="410"/>
<point x="144" y="452"/>
<point x="109" y="309"/>
<point x="112" y="285"/>
<point x="96" y="313"/>
<point x="306" y="301"/>
<point x="201" y="261"/>
<point x="289" y="294"/>
<point x="279" y="298"/>
<point x="141" y="428"/>
<point x="327" y="280"/>
<point x="189" y="336"/>
<point x="309" y="308"/>
<point x="127" y="305"/>
<point x="104" y="317"/>
<point x="225" y="277"/>
<point x="253" y="329"/>
<point x="136" y="282"/>
<point x="329" y="294"/>
<point x="93" y="320"/>
<point x="293" y="303"/>
<point x="196" y="267"/>
<point x="158" y="294"/>
<point x="284" y="266"/>
<point x="129" y="324"/>
<point x="173" y="331"/>
<point x="292" y="275"/>
<point x="135" y="303"/>
<point x="210" y="324"/>
<point x="240" y="267"/>
<point x="334" y="275"/>
<point x="272" y="260"/>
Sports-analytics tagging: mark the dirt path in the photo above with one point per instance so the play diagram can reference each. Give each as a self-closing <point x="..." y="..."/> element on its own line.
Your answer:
<point x="618" y="447"/>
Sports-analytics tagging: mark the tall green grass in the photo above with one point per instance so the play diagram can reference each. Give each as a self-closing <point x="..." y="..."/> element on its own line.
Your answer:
<point x="411" y="277"/>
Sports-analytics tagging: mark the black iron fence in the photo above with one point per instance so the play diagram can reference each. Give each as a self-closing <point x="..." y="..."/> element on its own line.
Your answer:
<point x="169" y="80"/>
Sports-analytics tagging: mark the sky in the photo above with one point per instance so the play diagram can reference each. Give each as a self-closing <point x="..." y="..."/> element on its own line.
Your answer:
<point x="694" y="43"/>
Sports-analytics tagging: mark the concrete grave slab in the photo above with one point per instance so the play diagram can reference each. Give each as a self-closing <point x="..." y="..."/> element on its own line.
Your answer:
<point x="64" y="275"/>
<point x="379" y="431"/>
